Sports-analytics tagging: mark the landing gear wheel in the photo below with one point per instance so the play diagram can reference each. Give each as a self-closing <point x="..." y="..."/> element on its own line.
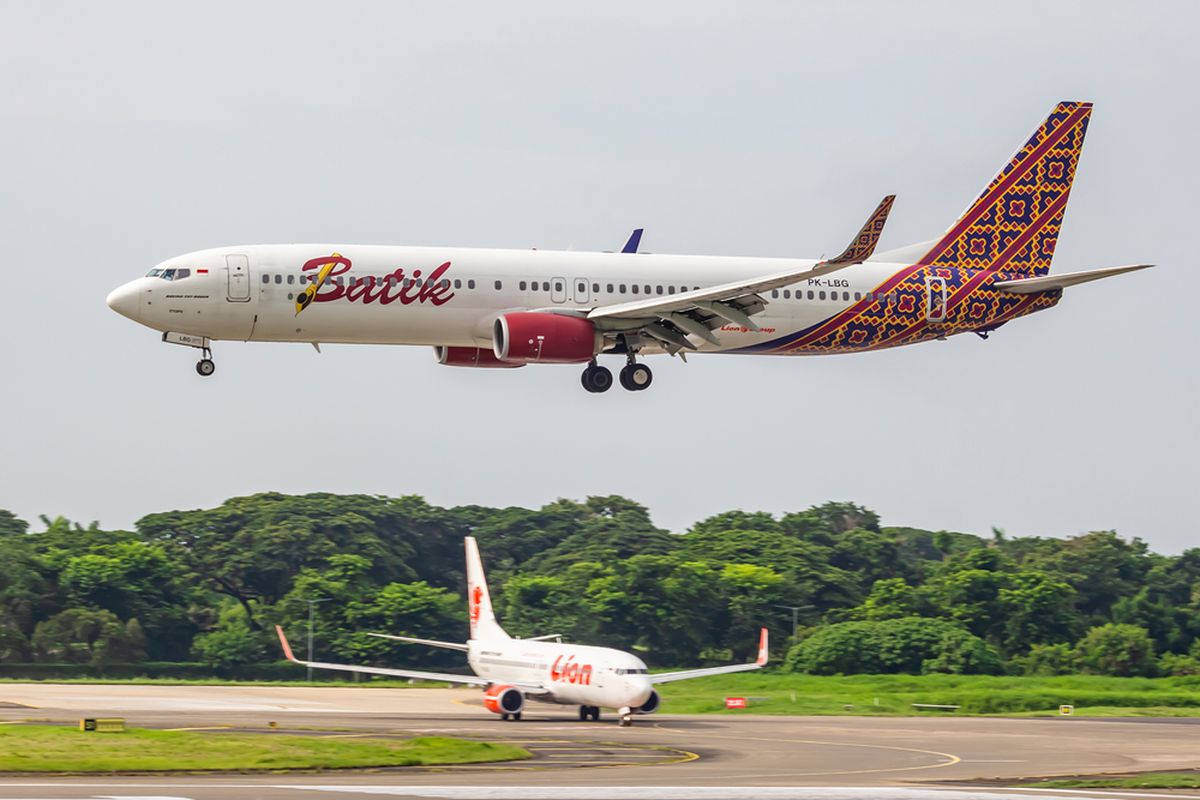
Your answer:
<point x="589" y="713"/>
<point x="596" y="379"/>
<point x="205" y="367"/>
<point x="626" y="721"/>
<point x="636" y="377"/>
<point x="595" y="713"/>
<point x="517" y="717"/>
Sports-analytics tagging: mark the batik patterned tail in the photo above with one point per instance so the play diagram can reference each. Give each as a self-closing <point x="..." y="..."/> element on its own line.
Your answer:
<point x="1014" y="224"/>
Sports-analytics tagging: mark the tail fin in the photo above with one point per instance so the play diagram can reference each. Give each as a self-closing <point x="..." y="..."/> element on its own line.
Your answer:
<point x="1014" y="224"/>
<point x="479" y="601"/>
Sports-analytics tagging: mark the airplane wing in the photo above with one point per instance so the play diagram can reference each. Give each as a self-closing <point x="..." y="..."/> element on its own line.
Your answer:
<point x="429" y="642"/>
<point x="670" y="319"/>
<point x="683" y="675"/>
<point x="446" y="677"/>
<point x="1047" y="283"/>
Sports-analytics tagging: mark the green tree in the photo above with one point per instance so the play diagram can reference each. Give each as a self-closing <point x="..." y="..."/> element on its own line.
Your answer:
<point x="1121" y="650"/>
<point x="11" y="524"/>
<point x="911" y="644"/>
<point x="88" y="636"/>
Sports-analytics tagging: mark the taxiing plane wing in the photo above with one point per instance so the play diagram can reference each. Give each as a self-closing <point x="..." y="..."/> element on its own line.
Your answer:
<point x="670" y="319"/>
<point x="445" y="677"/>
<point x="429" y="642"/>
<point x="683" y="675"/>
<point x="1046" y="283"/>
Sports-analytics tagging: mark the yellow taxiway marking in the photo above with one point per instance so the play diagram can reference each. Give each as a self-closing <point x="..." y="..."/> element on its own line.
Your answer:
<point x="207" y="728"/>
<point x="951" y="759"/>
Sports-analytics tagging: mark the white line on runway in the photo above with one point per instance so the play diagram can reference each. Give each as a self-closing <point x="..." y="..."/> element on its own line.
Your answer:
<point x="1094" y="792"/>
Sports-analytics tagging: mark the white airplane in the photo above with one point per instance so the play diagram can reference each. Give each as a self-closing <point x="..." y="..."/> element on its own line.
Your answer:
<point x="512" y="671"/>
<point x="509" y="308"/>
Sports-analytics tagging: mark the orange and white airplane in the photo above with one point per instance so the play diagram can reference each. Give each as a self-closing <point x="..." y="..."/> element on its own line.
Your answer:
<point x="509" y="308"/>
<point x="511" y="671"/>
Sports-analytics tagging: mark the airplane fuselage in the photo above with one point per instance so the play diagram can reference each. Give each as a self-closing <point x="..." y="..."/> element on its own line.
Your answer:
<point x="438" y="296"/>
<point x="572" y="674"/>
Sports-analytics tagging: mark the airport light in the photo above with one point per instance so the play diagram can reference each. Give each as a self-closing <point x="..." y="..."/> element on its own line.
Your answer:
<point x="795" y="617"/>
<point x="312" y="604"/>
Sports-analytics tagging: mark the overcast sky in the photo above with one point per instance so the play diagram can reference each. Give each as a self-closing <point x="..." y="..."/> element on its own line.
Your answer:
<point x="133" y="132"/>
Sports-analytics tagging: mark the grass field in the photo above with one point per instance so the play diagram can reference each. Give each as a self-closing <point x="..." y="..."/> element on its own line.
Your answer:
<point x="38" y="748"/>
<point x="1092" y="695"/>
<point x="1161" y="780"/>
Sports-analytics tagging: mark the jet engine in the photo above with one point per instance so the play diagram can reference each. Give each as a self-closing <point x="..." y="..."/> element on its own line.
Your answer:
<point x="471" y="357"/>
<point x="651" y="705"/>
<point x="528" y="337"/>
<point x="503" y="699"/>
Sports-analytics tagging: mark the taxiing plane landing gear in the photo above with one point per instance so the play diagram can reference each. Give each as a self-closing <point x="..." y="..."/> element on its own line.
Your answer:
<point x="596" y="379"/>
<point x="514" y="717"/>
<point x="589" y="713"/>
<point x="626" y="717"/>
<point x="635" y="377"/>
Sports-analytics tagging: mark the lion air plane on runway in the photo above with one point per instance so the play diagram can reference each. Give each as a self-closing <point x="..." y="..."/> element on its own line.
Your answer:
<point x="514" y="670"/>
<point x="509" y="308"/>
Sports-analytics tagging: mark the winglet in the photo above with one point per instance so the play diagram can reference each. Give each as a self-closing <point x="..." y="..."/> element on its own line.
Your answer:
<point x="864" y="243"/>
<point x="635" y="239"/>
<point x="287" y="648"/>
<point x="762" y="648"/>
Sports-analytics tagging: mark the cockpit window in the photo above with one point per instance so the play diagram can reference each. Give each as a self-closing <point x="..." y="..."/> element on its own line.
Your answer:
<point x="632" y="671"/>
<point x="176" y="274"/>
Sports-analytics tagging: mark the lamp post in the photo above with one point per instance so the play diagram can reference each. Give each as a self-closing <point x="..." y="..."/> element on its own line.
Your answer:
<point x="312" y="604"/>
<point x="795" y="617"/>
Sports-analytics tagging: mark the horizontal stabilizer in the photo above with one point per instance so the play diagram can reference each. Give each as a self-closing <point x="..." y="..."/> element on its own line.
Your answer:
<point x="427" y="642"/>
<point x="1047" y="283"/>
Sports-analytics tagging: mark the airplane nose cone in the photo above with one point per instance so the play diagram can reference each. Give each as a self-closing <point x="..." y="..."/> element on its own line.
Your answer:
<point x="124" y="300"/>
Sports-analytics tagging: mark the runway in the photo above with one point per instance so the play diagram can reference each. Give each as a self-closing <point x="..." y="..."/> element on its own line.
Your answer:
<point x="661" y="757"/>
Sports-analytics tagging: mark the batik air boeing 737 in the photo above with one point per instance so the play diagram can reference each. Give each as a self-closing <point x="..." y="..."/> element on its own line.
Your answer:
<point x="513" y="670"/>
<point x="510" y="308"/>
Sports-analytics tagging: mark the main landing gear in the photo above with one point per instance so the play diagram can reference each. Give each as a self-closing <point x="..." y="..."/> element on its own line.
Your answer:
<point x="514" y="717"/>
<point x="589" y="713"/>
<point x="634" y="376"/>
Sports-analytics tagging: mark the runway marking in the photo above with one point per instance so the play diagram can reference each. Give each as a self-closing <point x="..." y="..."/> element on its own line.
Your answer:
<point x="950" y="761"/>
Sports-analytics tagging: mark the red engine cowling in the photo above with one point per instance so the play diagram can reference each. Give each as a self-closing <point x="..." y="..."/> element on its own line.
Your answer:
<point x="529" y="337"/>
<point x="471" y="357"/>
<point x="501" y="698"/>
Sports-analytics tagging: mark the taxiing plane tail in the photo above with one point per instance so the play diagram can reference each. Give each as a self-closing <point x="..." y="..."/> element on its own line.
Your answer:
<point x="479" y="601"/>
<point x="1013" y="226"/>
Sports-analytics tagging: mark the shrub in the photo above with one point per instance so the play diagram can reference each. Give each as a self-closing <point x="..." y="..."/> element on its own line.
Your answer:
<point x="1047" y="659"/>
<point x="909" y="644"/>
<point x="1121" y="650"/>
<point x="1174" y="664"/>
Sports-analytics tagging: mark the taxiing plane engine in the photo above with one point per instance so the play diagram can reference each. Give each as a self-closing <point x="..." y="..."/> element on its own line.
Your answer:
<point x="530" y="337"/>
<point x="478" y="357"/>
<point x="651" y="705"/>
<point x="503" y="699"/>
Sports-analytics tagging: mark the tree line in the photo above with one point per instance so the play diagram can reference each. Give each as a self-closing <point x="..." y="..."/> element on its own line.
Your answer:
<point x="840" y="592"/>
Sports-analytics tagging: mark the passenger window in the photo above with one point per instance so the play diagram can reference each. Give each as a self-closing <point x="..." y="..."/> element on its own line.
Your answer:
<point x="558" y="286"/>
<point x="775" y="293"/>
<point x="845" y="295"/>
<point x="445" y="283"/>
<point x="858" y="295"/>
<point x="458" y="283"/>
<point x="581" y="288"/>
<point x="670" y="290"/>
<point x="810" y="294"/>
<point x="821" y="295"/>
<point x="291" y="279"/>
<point x="595" y="288"/>
<point x="634" y="288"/>
<point x="647" y="288"/>
<point x="658" y="289"/>
<point x="470" y="283"/>
<point x="521" y="286"/>
<point x="610" y="288"/>
<point x="266" y="278"/>
<point x="545" y="286"/>
<point x="278" y="278"/>
<point x="499" y="285"/>
<point x="787" y="294"/>
<point x="622" y="288"/>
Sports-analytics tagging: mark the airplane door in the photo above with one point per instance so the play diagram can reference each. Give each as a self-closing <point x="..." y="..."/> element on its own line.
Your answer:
<point x="581" y="290"/>
<point x="238" y="268"/>
<point x="935" y="299"/>
<point x="558" y="290"/>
